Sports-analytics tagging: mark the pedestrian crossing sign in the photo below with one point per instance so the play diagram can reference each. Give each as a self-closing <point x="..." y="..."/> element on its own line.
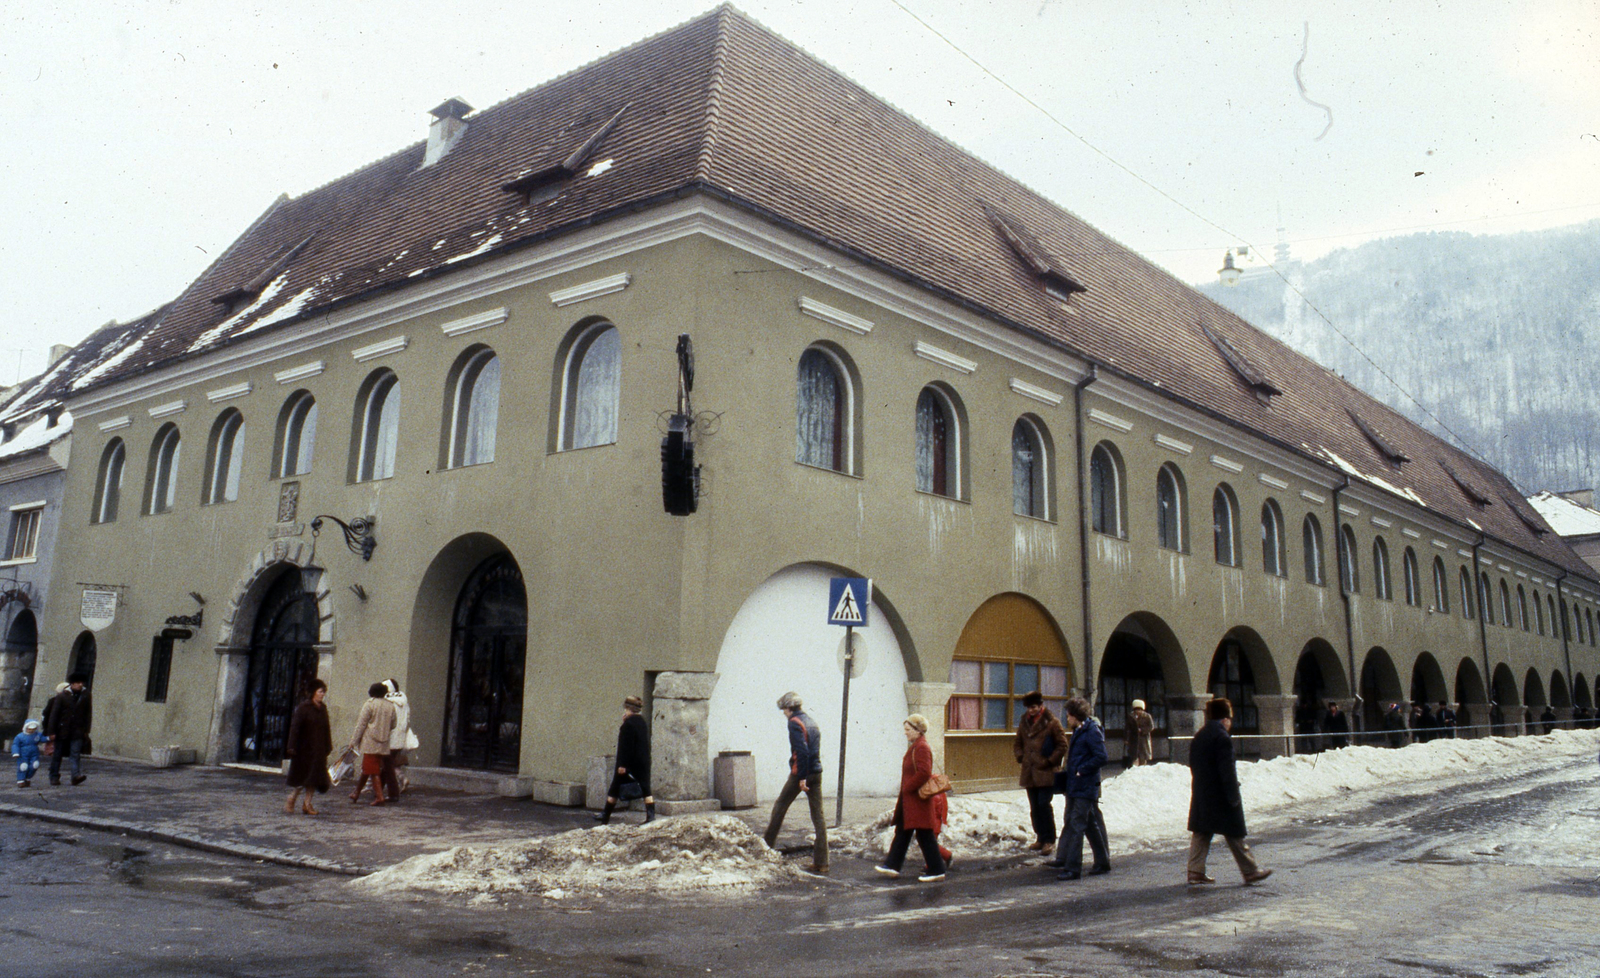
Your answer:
<point x="848" y="599"/>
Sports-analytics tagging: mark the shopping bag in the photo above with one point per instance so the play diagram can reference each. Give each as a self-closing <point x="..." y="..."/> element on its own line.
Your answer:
<point x="344" y="766"/>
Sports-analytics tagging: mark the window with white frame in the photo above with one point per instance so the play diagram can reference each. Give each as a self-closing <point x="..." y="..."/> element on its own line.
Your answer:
<point x="938" y="461"/>
<point x="1441" y="586"/>
<point x="1505" y="604"/>
<point x="224" y="459"/>
<point x="1413" y="586"/>
<point x="24" y="538"/>
<point x="591" y="387"/>
<point x="1107" y="503"/>
<point x="161" y="482"/>
<point x="377" y="427"/>
<point x="824" y="410"/>
<point x="1466" y="594"/>
<point x="1349" y="565"/>
<point x="1225" y="525"/>
<point x="1030" y="470"/>
<point x="1380" y="570"/>
<point x="1273" y="558"/>
<point x="1170" y="508"/>
<point x="1485" y="598"/>
<point x="1311" y="543"/>
<point x="474" y="408"/>
<point x="296" y="439"/>
<point x="108" y="481"/>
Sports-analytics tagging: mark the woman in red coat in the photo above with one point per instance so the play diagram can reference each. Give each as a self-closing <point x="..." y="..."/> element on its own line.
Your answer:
<point x="913" y="814"/>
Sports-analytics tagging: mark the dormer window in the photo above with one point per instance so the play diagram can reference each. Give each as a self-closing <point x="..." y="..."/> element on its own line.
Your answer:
<point x="242" y="295"/>
<point x="530" y="182"/>
<point x="1040" y="263"/>
<point x="1390" y="453"/>
<point x="1471" y="491"/>
<point x="1252" y="376"/>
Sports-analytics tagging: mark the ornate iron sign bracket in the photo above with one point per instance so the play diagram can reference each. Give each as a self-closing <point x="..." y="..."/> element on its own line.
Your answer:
<point x="357" y="534"/>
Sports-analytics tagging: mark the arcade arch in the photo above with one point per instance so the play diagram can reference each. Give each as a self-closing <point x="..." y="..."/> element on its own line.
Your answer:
<point x="1380" y="686"/>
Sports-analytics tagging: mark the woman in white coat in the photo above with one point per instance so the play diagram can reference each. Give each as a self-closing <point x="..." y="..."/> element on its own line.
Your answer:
<point x="400" y="741"/>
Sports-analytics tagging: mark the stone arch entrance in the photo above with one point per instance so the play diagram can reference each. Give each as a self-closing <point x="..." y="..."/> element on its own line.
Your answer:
<point x="17" y="660"/>
<point x="1010" y="647"/>
<point x="488" y="662"/>
<point x="237" y="647"/>
<point x="282" y="661"/>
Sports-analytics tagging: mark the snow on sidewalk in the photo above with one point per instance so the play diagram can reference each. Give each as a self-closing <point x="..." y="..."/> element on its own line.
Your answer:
<point x="686" y="855"/>
<point x="1148" y="807"/>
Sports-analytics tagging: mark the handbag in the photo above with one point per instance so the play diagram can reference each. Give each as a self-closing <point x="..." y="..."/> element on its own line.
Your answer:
<point x="937" y="784"/>
<point x="412" y="743"/>
<point x="631" y="790"/>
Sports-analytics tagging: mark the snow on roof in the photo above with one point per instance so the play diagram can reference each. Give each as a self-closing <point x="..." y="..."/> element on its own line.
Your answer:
<point x="37" y="435"/>
<point x="1567" y="518"/>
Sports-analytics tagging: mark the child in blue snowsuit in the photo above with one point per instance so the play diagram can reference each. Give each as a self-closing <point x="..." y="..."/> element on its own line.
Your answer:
<point x="25" y="748"/>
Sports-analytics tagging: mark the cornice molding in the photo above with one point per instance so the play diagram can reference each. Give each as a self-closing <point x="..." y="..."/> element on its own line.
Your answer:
<point x="117" y="423"/>
<point x="302" y="372"/>
<point x="1111" y="421"/>
<point x="230" y="392"/>
<point x="591" y="290"/>
<point x="169" y="409"/>
<point x="1227" y="464"/>
<point x="482" y="320"/>
<point x="944" y="358"/>
<point x="835" y="317"/>
<point x="1036" y="393"/>
<point x="382" y="348"/>
<point x="1172" y="444"/>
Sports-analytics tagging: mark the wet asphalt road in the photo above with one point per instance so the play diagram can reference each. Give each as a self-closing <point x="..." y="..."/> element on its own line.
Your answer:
<point x="1409" y="887"/>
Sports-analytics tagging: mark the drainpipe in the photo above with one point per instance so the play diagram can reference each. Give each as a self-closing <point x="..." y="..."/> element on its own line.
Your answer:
<point x="1083" y="528"/>
<point x="1483" y="629"/>
<point x="1566" y="650"/>
<point x="1349" y="629"/>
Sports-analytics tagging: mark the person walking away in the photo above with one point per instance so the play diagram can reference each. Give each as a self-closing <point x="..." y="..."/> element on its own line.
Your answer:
<point x="1084" y="760"/>
<point x="374" y="726"/>
<point x="1336" y="727"/>
<point x="25" y="748"/>
<point x="633" y="761"/>
<point x="1446" y="719"/>
<point x="1141" y="725"/>
<point x="914" y="814"/>
<point x="1548" y="719"/>
<point x="1394" y="726"/>
<point x="310" y="742"/>
<point x="1215" y="807"/>
<point x="1039" y="746"/>
<point x="805" y="775"/>
<point x="401" y="739"/>
<point x="66" y="722"/>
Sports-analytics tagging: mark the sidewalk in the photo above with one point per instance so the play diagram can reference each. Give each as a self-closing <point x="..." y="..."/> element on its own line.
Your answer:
<point x="240" y="813"/>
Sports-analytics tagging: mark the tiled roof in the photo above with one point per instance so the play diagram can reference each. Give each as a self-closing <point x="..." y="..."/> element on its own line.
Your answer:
<point x="723" y="105"/>
<point x="102" y="353"/>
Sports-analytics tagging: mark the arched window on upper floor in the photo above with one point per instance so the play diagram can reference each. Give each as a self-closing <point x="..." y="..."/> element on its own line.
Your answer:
<point x="108" y="481"/>
<point x="1172" y="523"/>
<point x="1108" y="500"/>
<point x="1225" y="525"/>
<point x="1380" y="570"/>
<point x="1589" y="616"/>
<point x="1485" y="598"/>
<point x="1413" y="584"/>
<point x="161" y="479"/>
<point x="1274" y="560"/>
<point x="1441" y="587"/>
<point x="939" y="438"/>
<point x="1550" y="602"/>
<point x="376" y="433"/>
<point x="1506" y="618"/>
<point x="1577" y="621"/>
<point x="1349" y="562"/>
<point x="472" y="408"/>
<point x="1031" y="490"/>
<point x="590" y="387"/>
<point x="224" y="459"/>
<point x="295" y="440"/>
<point x="1538" y="613"/>
<point x="1522" y="607"/>
<point x="1466" y="594"/>
<point x="1311" y="542"/>
<point x="824" y="411"/>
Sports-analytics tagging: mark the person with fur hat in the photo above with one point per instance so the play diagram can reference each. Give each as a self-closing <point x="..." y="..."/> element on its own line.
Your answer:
<point x="633" y="761"/>
<point x="1215" y="807"/>
<point x="1141" y="725"/>
<point x="67" y="719"/>
<point x="1039" y="745"/>
<point x="25" y="748"/>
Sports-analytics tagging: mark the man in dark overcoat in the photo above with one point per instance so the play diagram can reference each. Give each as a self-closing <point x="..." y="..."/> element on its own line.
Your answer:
<point x="67" y="719"/>
<point x="1214" y="804"/>
<point x="1336" y="727"/>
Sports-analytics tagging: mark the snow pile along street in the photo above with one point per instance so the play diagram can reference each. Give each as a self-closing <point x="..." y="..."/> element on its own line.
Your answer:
<point x="1148" y="807"/>
<point x="690" y="854"/>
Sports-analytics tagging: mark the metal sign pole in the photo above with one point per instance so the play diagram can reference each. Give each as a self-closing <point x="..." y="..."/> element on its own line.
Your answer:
<point x="844" y="720"/>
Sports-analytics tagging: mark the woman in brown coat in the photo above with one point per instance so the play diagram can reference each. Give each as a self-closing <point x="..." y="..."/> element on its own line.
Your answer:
<point x="1039" y="746"/>
<point x="912" y="813"/>
<point x="310" y="741"/>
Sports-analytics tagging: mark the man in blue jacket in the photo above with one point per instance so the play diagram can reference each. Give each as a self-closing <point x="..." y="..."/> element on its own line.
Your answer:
<point x="805" y="774"/>
<point x="1085" y="757"/>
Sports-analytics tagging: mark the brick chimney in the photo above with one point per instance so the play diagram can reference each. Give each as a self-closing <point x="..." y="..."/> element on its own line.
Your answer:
<point x="57" y="351"/>
<point x="448" y="126"/>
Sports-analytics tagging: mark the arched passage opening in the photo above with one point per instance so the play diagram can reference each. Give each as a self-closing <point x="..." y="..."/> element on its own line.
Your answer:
<point x="82" y="658"/>
<point x="487" y="664"/>
<point x="777" y="642"/>
<point x="1010" y="646"/>
<point x="17" y="659"/>
<point x="1505" y="713"/>
<point x="1560" y="698"/>
<point x="1318" y="678"/>
<point x="1241" y="667"/>
<point x="1380" y="686"/>
<point x="1533" y="702"/>
<point x="1580" y="693"/>
<point x="1142" y="660"/>
<point x="1427" y="681"/>
<point x="1471" y="699"/>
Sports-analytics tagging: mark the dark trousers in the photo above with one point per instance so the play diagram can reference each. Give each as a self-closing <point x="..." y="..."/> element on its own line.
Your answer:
<point x="64" y="747"/>
<point x="1043" y="814"/>
<point x="390" y="777"/>
<point x="927" y="839"/>
<point x="1083" y="818"/>
<point x="780" y="808"/>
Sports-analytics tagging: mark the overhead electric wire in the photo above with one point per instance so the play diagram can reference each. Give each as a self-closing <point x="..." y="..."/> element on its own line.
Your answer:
<point x="1241" y="239"/>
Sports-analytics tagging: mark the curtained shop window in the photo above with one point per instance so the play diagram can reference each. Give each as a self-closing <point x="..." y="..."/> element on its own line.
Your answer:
<point x="988" y="695"/>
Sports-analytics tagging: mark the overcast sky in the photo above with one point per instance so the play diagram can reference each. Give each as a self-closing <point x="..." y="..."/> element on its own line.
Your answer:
<point x="143" y="137"/>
